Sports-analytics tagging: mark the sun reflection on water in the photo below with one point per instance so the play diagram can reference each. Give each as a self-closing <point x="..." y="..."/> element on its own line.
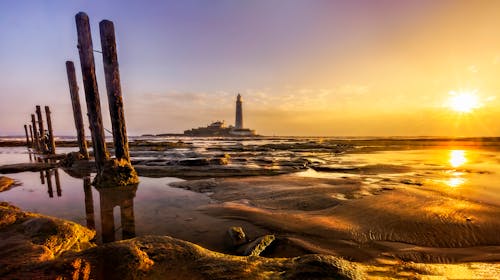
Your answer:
<point x="457" y="158"/>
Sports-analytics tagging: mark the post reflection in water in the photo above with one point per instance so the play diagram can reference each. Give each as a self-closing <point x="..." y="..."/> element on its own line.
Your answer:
<point x="47" y="176"/>
<point x="89" y="203"/>
<point x="123" y="197"/>
<point x="49" y="183"/>
<point x="58" y="182"/>
<point x="109" y="198"/>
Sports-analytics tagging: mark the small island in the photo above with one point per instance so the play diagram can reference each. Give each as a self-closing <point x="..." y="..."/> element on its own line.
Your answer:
<point x="219" y="128"/>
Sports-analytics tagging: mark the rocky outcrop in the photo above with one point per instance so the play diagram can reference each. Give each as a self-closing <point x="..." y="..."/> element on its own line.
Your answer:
<point x="36" y="246"/>
<point x="28" y="239"/>
<point x="6" y="183"/>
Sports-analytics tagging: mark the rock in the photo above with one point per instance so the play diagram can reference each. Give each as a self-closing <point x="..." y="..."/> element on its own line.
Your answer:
<point x="6" y="183"/>
<point x="71" y="158"/>
<point x="27" y="239"/>
<point x="221" y="160"/>
<point x="163" y="257"/>
<point x="256" y="247"/>
<point x="236" y="237"/>
<point x="194" y="162"/>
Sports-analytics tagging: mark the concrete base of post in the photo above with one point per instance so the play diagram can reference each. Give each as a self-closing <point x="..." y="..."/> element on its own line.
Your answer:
<point x="116" y="173"/>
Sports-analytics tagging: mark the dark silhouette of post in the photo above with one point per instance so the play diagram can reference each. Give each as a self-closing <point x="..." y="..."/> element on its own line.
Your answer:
<point x="31" y="137"/>
<point x="52" y="142"/>
<point x="41" y="130"/>
<point x="113" y="87"/>
<point x="77" y="109"/>
<point x="27" y="136"/>
<point x="35" y="133"/>
<point x="85" y="49"/>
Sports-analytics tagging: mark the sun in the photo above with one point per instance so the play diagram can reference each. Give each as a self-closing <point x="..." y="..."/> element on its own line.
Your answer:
<point x="464" y="101"/>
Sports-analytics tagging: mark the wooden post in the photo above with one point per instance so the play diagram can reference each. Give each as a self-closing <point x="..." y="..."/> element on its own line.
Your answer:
<point x="41" y="130"/>
<point x="27" y="136"/>
<point x="52" y="142"/>
<point x="31" y="137"/>
<point x="77" y="109"/>
<point x="35" y="133"/>
<point x="115" y="101"/>
<point x="91" y="92"/>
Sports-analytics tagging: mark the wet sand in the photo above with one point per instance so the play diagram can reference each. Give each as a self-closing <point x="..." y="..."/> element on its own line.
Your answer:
<point x="346" y="218"/>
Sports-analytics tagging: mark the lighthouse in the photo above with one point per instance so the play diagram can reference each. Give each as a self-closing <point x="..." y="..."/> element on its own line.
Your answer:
<point x="239" y="113"/>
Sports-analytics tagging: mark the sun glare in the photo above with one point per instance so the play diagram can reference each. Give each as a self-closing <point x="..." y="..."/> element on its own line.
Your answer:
<point x="457" y="158"/>
<point x="464" y="102"/>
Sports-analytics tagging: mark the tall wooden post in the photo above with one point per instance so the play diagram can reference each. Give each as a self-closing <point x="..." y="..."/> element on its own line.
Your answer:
<point x="27" y="136"/>
<point x="35" y="133"/>
<point x="115" y="101"/>
<point x="77" y="109"/>
<point x="52" y="142"/>
<point x="31" y="137"/>
<point x="41" y="130"/>
<point x="91" y="92"/>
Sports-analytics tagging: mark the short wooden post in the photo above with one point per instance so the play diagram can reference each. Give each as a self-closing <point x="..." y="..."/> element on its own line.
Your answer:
<point x="27" y="136"/>
<point x="91" y="92"/>
<point x="77" y="109"/>
<point x="115" y="101"/>
<point x="35" y="133"/>
<point x="41" y="130"/>
<point x="52" y="142"/>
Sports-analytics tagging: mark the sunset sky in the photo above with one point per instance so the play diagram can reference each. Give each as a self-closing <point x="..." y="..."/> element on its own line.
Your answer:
<point x="317" y="68"/>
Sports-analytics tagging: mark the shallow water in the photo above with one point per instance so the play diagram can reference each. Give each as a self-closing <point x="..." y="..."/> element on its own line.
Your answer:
<point x="467" y="174"/>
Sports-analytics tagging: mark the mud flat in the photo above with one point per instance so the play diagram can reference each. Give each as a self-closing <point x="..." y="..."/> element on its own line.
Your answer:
<point x="388" y="222"/>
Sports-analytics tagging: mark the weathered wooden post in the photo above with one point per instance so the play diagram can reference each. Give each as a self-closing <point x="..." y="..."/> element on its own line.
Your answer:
<point x="77" y="110"/>
<point x="85" y="49"/>
<point x="115" y="101"/>
<point x="27" y="136"/>
<point x="41" y="130"/>
<point x="35" y="133"/>
<point x="52" y="142"/>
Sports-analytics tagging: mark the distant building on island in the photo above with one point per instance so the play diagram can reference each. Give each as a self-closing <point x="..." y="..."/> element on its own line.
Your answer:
<point x="219" y="128"/>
